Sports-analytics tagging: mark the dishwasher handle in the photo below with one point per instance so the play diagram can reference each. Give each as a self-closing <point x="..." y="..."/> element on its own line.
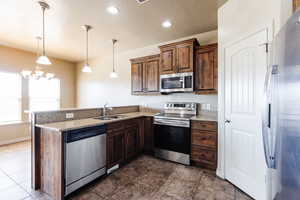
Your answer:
<point x="83" y="133"/>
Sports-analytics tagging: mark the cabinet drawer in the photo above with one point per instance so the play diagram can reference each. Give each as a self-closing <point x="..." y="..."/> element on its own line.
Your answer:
<point x="132" y="123"/>
<point x="204" y="155"/>
<point x="204" y="138"/>
<point x="113" y="127"/>
<point x="204" y="125"/>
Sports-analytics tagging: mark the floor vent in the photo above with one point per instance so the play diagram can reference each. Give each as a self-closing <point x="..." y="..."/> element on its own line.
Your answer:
<point x="142" y="1"/>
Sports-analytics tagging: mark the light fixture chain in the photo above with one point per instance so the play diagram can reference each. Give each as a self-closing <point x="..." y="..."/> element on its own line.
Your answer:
<point x="113" y="56"/>
<point x="87" y="46"/>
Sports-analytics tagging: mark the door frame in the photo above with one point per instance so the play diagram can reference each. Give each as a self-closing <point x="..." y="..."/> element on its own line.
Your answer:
<point x="270" y="28"/>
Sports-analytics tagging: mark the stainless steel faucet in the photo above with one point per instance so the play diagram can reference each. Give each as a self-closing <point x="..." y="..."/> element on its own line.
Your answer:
<point x="105" y="109"/>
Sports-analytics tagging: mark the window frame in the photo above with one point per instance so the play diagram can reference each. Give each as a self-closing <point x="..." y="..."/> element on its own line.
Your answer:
<point x="19" y="98"/>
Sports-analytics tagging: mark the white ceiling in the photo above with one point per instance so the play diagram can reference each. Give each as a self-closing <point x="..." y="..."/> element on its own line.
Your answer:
<point x="135" y="26"/>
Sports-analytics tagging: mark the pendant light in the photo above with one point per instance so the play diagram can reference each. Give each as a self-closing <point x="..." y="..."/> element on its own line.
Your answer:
<point x="87" y="68"/>
<point x="43" y="59"/>
<point x="114" y="74"/>
<point x="38" y="72"/>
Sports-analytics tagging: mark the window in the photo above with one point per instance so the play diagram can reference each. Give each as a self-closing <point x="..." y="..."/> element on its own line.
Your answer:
<point x="44" y="94"/>
<point x="10" y="97"/>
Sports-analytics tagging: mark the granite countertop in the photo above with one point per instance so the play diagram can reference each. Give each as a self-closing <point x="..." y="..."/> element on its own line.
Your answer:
<point x="206" y="116"/>
<point x="83" y="123"/>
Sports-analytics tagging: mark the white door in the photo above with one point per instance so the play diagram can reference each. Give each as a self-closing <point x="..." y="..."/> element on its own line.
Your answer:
<point x="245" y="69"/>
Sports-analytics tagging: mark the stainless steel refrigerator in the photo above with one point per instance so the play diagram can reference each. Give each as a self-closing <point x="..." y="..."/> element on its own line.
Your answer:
<point x="281" y="120"/>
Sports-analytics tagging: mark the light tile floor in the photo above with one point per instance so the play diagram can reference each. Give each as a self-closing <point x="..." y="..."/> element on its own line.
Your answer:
<point x="145" y="178"/>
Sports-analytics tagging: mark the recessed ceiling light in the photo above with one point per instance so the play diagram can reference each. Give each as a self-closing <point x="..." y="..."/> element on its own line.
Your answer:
<point x="112" y="10"/>
<point x="167" y="24"/>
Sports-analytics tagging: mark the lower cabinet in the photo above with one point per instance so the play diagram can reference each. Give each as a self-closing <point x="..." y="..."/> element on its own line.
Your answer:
<point x="125" y="139"/>
<point x="115" y="149"/>
<point x="149" y="135"/>
<point x="131" y="142"/>
<point x="204" y="144"/>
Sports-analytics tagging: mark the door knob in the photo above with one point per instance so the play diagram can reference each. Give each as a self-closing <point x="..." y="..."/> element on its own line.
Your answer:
<point x="227" y="121"/>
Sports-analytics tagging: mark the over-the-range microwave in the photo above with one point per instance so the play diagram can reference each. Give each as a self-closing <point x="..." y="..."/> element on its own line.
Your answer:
<point x="181" y="82"/>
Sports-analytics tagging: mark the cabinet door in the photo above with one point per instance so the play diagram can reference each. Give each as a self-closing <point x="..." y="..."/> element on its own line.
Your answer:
<point x="131" y="142"/>
<point x="137" y="77"/>
<point x="115" y="149"/>
<point x="206" y="70"/>
<point x="296" y="5"/>
<point x="185" y="58"/>
<point x="151" y="75"/>
<point x="168" y="60"/>
<point x="149" y="136"/>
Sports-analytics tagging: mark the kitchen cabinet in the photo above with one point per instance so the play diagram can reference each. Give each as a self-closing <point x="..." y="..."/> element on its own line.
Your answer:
<point x="149" y="135"/>
<point x="206" y="70"/>
<point x="115" y="149"/>
<point x="168" y="60"/>
<point x="296" y="5"/>
<point x="131" y="142"/>
<point x="145" y="75"/>
<point x="204" y="144"/>
<point x="137" y="77"/>
<point x="177" y="57"/>
<point x="124" y="141"/>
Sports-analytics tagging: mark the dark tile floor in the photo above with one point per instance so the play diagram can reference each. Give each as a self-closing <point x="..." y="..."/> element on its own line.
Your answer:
<point x="145" y="178"/>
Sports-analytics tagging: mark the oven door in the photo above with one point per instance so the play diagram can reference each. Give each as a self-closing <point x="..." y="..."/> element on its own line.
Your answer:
<point x="182" y="82"/>
<point x="172" y="138"/>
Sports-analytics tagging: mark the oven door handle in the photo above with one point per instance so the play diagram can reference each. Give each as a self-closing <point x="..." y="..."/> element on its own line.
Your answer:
<point x="172" y="123"/>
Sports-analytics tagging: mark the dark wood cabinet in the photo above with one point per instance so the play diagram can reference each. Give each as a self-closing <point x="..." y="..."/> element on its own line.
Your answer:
<point x="185" y="57"/>
<point x="177" y="57"/>
<point x="145" y="74"/>
<point x="168" y="60"/>
<point x="204" y="144"/>
<point x="131" y="142"/>
<point x="116" y="147"/>
<point x="296" y="5"/>
<point x="149" y="135"/>
<point x="137" y="77"/>
<point x="124" y="141"/>
<point x="206" y="69"/>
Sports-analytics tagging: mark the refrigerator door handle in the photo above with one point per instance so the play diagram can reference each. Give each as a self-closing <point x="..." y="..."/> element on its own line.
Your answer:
<point x="266" y="120"/>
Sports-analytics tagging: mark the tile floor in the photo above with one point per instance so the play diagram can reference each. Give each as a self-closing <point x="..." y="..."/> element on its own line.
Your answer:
<point x="145" y="178"/>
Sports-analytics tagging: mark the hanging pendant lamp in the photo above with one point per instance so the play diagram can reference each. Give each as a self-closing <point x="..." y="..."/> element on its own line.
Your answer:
<point x="38" y="73"/>
<point x="43" y="59"/>
<point x="114" y="74"/>
<point x="87" y="68"/>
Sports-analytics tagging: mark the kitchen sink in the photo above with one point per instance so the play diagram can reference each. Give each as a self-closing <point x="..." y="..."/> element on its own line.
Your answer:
<point x="111" y="117"/>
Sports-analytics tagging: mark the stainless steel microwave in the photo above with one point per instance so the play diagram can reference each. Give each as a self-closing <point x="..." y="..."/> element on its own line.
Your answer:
<point x="181" y="82"/>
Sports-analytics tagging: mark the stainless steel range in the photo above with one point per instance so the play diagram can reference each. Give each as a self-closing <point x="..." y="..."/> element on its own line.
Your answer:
<point x="172" y="132"/>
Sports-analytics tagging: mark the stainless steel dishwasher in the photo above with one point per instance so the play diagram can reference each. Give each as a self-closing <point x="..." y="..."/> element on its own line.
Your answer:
<point x="85" y="153"/>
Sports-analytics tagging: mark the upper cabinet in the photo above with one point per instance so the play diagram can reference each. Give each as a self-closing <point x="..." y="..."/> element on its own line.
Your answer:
<point x="168" y="60"/>
<point x="206" y="69"/>
<point x="177" y="57"/>
<point x="145" y="75"/>
<point x="296" y="5"/>
<point x="180" y="57"/>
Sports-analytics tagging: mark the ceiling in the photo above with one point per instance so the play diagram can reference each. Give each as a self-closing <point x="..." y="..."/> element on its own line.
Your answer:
<point x="135" y="26"/>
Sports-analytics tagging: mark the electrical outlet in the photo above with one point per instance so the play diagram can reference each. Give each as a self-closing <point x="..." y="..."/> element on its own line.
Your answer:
<point x="69" y="115"/>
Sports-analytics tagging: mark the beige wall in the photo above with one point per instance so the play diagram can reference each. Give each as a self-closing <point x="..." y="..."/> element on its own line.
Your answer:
<point x="13" y="60"/>
<point x="96" y="88"/>
<point x="238" y="19"/>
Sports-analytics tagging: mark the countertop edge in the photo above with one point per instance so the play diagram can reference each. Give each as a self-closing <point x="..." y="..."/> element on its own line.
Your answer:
<point x="51" y="126"/>
<point x="46" y="126"/>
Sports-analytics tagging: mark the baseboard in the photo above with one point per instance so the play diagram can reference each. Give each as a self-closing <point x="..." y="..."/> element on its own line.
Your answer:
<point x="6" y="142"/>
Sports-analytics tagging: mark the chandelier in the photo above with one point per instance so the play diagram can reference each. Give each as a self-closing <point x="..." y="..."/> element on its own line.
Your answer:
<point x="38" y="71"/>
